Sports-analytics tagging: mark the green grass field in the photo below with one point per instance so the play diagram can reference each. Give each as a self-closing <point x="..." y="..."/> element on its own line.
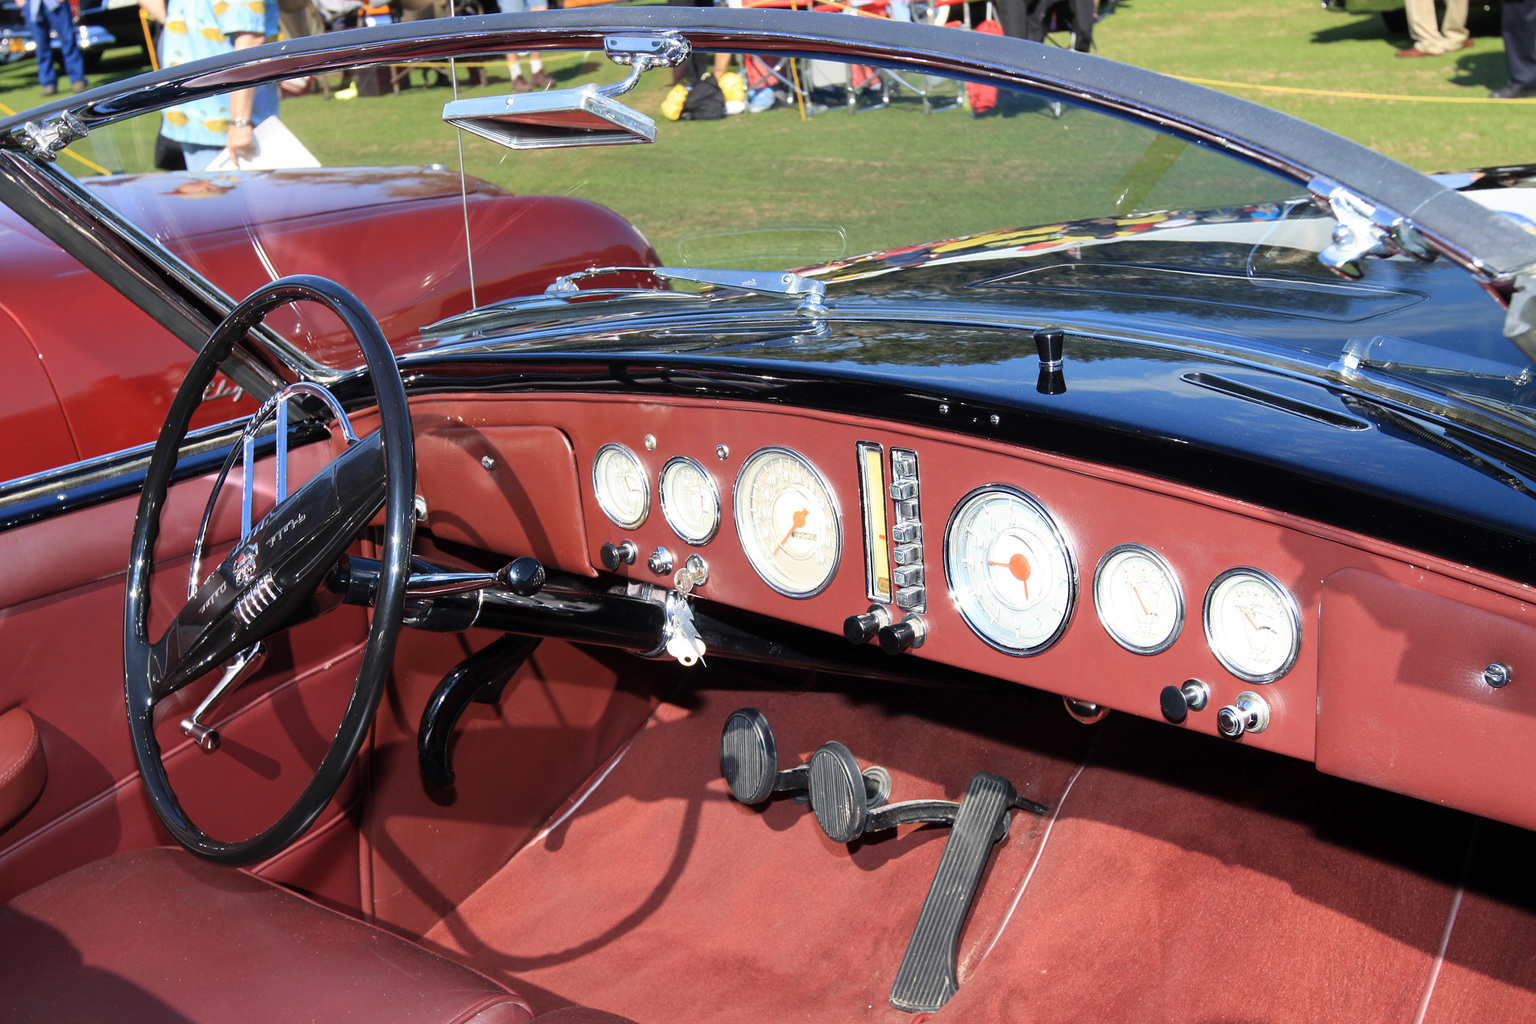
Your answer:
<point x="839" y="183"/>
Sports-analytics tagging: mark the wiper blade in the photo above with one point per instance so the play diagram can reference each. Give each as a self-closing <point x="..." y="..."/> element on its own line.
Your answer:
<point x="777" y="282"/>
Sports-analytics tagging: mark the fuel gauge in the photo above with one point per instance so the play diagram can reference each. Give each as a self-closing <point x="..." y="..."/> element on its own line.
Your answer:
<point x="618" y="479"/>
<point x="1138" y="599"/>
<point x="689" y="500"/>
<point x="1252" y="625"/>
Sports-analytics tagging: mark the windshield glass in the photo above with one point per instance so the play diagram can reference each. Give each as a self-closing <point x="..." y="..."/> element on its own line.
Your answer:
<point x="878" y="181"/>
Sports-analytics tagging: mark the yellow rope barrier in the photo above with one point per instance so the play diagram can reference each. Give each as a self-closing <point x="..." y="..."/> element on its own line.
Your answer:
<point x="1393" y="97"/>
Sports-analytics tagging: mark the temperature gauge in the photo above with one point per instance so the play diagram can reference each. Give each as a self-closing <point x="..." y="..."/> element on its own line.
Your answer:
<point x="1252" y="625"/>
<point x="1138" y="599"/>
<point x="623" y="492"/>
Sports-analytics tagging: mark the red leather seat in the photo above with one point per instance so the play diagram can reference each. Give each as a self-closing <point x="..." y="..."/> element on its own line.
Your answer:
<point x="160" y="937"/>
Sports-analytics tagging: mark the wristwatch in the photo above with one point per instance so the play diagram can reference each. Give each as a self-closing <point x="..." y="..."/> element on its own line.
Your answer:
<point x="241" y="122"/>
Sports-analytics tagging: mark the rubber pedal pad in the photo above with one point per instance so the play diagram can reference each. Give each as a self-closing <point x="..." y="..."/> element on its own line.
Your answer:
<point x="749" y="758"/>
<point x="927" y="977"/>
<point x="838" y="797"/>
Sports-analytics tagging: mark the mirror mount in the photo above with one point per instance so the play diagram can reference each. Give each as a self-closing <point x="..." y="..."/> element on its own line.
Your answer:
<point x="588" y="116"/>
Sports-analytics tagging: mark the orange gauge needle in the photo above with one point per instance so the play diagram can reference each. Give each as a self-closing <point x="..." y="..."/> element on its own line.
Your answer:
<point x="1019" y="566"/>
<point x="798" y="523"/>
<point x="1137" y="592"/>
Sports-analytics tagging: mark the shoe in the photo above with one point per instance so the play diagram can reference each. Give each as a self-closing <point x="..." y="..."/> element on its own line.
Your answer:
<point x="349" y="93"/>
<point x="541" y="80"/>
<point x="79" y="85"/>
<point x="520" y="84"/>
<point x="1414" y="51"/>
<point x="1466" y="44"/>
<point x="1513" y="91"/>
<point x="50" y="90"/>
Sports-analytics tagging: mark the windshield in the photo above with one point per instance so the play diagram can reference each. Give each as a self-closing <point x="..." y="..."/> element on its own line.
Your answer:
<point x="876" y="180"/>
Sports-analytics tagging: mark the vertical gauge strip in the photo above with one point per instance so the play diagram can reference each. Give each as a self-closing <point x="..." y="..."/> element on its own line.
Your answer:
<point x="907" y="532"/>
<point x="877" y="554"/>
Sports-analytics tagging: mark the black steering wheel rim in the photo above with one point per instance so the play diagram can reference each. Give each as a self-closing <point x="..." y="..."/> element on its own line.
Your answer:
<point x="384" y="630"/>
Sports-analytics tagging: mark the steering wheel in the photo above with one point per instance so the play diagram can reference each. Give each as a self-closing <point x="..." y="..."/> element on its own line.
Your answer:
<point x="272" y="574"/>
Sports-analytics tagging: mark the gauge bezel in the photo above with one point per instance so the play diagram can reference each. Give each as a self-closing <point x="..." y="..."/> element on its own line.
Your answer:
<point x="666" y="511"/>
<point x="598" y="490"/>
<point x="1173" y="579"/>
<point x="738" y="509"/>
<point x="1288" y="605"/>
<point x="1062" y="542"/>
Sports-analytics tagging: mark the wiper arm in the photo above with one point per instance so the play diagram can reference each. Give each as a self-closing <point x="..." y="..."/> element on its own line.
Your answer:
<point x="777" y="282"/>
<point x="1398" y="354"/>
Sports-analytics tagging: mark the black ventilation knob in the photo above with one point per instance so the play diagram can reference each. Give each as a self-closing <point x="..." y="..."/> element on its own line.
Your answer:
<point x="902" y="636"/>
<point x="614" y="555"/>
<point x="1178" y="701"/>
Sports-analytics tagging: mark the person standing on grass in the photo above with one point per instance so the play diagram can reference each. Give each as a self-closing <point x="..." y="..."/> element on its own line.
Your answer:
<point x="1430" y="40"/>
<point x="1519" y="24"/>
<point x="204" y="28"/>
<point x="48" y="18"/>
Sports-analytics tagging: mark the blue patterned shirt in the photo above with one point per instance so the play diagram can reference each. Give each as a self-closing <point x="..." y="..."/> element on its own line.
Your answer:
<point x="195" y="29"/>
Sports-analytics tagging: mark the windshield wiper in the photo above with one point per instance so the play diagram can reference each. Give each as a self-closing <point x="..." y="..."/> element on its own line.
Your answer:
<point x="775" y="282"/>
<point x="1384" y="352"/>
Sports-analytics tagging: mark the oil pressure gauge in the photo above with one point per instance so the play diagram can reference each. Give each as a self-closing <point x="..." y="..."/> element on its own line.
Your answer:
<point x="623" y="492"/>
<point x="1010" y="570"/>
<point x="1138" y="599"/>
<point x="689" y="500"/>
<point x="1252" y="625"/>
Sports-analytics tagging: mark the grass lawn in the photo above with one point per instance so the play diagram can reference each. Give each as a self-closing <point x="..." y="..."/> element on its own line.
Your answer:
<point x="839" y="184"/>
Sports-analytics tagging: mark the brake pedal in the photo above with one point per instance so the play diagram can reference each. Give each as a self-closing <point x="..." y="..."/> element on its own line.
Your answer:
<point x="749" y="760"/>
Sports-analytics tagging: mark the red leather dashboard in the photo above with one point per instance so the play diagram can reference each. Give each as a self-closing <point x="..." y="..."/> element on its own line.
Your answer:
<point x="1387" y="686"/>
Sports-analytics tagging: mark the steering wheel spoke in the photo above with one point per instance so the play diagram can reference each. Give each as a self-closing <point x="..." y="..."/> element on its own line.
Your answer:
<point x="266" y="583"/>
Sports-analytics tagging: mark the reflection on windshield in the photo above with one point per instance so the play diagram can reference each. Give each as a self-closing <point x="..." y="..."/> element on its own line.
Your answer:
<point x="848" y="161"/>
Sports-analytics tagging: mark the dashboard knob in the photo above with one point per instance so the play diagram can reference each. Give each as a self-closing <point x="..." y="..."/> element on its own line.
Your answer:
<point x="660" y="562"/>
<point x="1178" y="701"/>
<point x="903" y="635"/>
<point x="860" y="629"/>
<point x="614" y="555"/>
<point x="1249" y="713"/>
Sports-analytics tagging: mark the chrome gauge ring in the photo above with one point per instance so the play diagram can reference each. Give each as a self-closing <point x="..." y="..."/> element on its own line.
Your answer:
<point x="1138" y="598"/>
<point x="1009" y="569"/>
<point x="1252" y="625"/>
<point x="689" y="500"/>
<point x="620" y="484"/>
<point x="788" y="521"/>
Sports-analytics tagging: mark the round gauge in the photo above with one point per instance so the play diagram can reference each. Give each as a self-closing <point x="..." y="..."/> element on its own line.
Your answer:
<point x="1138" y="599"/>
<point x="1010" y="570"/>
<point x="1252" y="625"/>
<point x="788" y="522"/>
<point x="689" y="501"/>
<point x="623" y="492"/>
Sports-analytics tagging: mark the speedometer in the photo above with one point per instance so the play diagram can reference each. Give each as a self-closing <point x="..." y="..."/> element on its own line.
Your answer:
<point x="788" y="522"/>
<point x="1010" y="571"/>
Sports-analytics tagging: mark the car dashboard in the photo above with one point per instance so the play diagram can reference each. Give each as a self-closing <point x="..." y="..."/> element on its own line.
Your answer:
<point x="1116" y="590"/>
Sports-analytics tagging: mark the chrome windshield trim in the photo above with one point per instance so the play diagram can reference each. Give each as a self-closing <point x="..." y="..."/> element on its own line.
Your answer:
<point x="1486" y="243"/>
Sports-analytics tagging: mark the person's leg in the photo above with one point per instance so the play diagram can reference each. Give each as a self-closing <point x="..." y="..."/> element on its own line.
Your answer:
<point x="1454" y="28"/>
<point x="63" y="26"/>
<point x="1423" y="27"/>
<point x="47" y="74"/>
<point x="1082" y="25"/>
<point x="1519" y="24"/>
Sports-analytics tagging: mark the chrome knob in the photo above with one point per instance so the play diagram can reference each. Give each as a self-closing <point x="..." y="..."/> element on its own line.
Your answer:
<point x="1249" y="713"/>
<point x="660" y="562"/>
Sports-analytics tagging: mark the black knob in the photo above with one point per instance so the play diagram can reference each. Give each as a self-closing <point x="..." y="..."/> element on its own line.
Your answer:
<point x="1174" y="704"/>
<point x="610" y="556"/>
<point x="898" y="636"/>
<point x="860" y="629"/>
<point x="1050" y="341"/>
<point x="523" y="576"/>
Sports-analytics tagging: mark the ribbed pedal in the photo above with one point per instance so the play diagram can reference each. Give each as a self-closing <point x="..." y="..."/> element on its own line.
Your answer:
<point x="838" y="796"/>
<point x="927" y="976"/>
<point x="749" y="758"/>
